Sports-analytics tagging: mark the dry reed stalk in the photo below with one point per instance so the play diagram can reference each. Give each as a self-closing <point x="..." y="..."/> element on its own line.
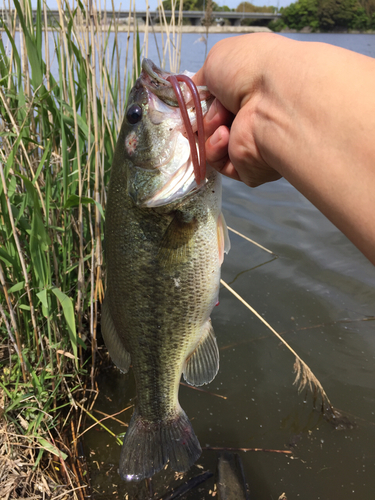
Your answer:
<point x="22" y="144"/>
<point x="37" y="336"/>
<point x="12" y="29"/>
<point x="135" y="69"/>
<point x="127" y="51"/>
<point x="48" y="72"/>
<point x="145" y="41"/>
<point x="112" y="417"/>
<point x="96" y="175"/>
<point x="199" y="389"/>
<point x="171" y="42"/>
<point x="163" y="24"/>
<point x="304" y="376"/>
<point x="252" y="241"/>
<point x="16" y="341"/>
<point x="82" y="30"/>
<point x="98" y="422"/>
<point x="177" y="38"/>
<point x="115" y="28"/>
<point x="80" y="190"/>
<point x="267" y="450"/>
<point x="180" y="18"/>
<point x="173" y="28"/>
<point x="24" y="59"/>
<point x="105" y="97"/>
<point x="22" y="476"/>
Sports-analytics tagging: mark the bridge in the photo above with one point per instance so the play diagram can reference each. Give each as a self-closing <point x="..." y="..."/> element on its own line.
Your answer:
<point x="195" y="17"/>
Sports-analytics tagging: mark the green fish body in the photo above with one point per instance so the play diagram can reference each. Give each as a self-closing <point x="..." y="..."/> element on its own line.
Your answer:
<point x="164" y="238"/>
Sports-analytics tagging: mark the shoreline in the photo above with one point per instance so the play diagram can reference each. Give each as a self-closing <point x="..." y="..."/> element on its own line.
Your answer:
<point x="124" y="28"/>
<point x="201" y="29"/>
<point x="142" y="28"/>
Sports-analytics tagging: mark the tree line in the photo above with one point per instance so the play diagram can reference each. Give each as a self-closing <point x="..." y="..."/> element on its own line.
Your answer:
<point x="327" y="15"/>
<point x="316" y="15"/>
<point x="201" y="5"/>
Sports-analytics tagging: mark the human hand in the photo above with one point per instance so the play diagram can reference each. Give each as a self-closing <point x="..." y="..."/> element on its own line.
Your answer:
<point x="298" y="110"/>
<point x="231" y="145"/>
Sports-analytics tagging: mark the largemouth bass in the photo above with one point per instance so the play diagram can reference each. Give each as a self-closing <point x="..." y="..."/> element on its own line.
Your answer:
<point x="165" y="238"/>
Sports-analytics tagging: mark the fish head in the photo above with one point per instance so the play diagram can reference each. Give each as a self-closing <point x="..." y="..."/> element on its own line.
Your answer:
<point x="160" y="165"/>
<point x="147" y="118"/>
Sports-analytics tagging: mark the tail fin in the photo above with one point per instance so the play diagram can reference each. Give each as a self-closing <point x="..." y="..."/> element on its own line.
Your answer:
<point x="149" y="445"/>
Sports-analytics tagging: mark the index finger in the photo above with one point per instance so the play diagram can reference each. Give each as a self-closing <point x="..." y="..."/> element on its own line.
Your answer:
<point x="198" y="78"/>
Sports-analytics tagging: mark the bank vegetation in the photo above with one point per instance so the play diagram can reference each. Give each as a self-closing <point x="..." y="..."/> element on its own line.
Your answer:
<point x="327" y="16"/>
<point x="63" y="91"/>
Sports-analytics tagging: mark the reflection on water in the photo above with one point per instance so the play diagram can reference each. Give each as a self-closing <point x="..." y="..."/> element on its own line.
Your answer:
<point x="319" y="295"/>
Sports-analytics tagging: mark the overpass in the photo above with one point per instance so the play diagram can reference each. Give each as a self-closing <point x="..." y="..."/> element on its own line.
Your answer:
<point x="195" y="17"/>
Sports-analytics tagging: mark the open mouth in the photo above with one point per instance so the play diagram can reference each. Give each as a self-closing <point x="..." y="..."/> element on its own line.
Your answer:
<point x="162" y="83"/>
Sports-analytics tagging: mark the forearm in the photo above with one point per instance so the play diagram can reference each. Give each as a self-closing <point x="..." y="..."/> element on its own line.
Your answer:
<point x="318" y="132"/>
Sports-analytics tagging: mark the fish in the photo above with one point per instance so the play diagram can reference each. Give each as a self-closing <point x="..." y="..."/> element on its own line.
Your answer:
<point x="165" y="238"/>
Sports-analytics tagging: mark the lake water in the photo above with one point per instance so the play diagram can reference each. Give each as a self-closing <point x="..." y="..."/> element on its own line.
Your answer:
<point x="319" y="294"/>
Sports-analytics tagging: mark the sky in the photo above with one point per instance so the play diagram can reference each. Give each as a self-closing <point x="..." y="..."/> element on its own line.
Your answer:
<point x="141" y="4"/>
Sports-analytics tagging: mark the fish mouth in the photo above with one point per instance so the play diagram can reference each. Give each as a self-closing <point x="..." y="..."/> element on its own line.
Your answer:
<point x="153" y="76"/>
<point x="180" y="90"/>
<point x="156" y="80"/>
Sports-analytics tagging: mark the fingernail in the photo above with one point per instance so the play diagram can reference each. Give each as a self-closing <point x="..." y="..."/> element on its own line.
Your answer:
<point x="215" y="137"/>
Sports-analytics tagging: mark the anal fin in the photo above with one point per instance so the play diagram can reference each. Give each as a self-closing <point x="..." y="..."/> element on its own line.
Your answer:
<point x="113" y="342"/>
<point x="203" y="364"/>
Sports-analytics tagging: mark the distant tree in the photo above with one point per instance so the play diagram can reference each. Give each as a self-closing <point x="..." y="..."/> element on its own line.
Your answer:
<point x="277" y="25"/>
<point x="329" y="15"/>
<point x="368" y="6"/>
<point x="339" y="14"/>
<point x="249" y="7"/>
<point x="189" y="5"/>
<point x="224" y="8"/>
<point x="361" y="21"/>
<point x="300" y="14"/>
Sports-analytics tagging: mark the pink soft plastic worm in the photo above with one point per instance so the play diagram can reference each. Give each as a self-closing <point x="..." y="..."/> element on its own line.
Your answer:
<point x="198" y="164"/>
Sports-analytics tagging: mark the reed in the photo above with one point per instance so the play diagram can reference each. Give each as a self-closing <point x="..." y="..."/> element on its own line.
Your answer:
<point x="63" y="89"/>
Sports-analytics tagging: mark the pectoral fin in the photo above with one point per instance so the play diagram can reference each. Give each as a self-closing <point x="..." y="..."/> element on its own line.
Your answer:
<point x="175" y="245"/>
<point x="202" y="366"/>
<point x="222" y="237"/>
<point x="115" y="346"/>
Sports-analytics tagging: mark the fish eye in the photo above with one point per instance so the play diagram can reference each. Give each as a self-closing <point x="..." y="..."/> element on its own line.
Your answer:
<point x="134" y="114"/>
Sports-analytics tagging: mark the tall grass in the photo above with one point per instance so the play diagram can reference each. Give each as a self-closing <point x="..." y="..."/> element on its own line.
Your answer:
<point x="62" y="99"/>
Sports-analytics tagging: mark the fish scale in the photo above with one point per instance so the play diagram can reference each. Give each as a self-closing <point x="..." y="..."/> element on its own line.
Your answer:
<point x="163" y="271"/>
